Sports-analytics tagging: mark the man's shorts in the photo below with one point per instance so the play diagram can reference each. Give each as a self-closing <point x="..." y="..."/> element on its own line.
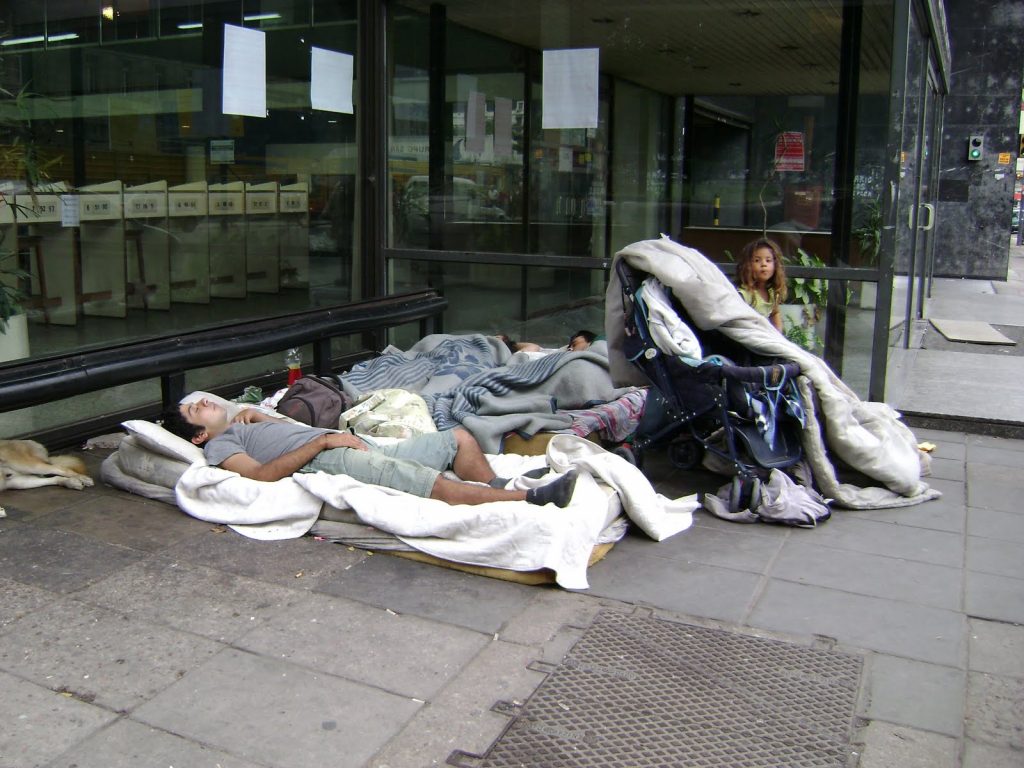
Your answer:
<point x="411" y="466"/>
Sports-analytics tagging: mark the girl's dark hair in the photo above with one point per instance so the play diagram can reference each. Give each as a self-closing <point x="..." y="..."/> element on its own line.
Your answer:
<point x="172" y="420"/>
<point x="588" y="336"/>
<point x="744" y="270"/>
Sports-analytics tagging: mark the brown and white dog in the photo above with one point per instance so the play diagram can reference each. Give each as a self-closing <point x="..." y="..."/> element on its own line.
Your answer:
<point x="27" y="464"/>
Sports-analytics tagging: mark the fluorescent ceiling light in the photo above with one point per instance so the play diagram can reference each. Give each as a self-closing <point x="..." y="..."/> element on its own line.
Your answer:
<point x="191" y="25"/>
<point x="40" y="38"/>
<point x="23" y="40"/>
<point x="261" y="17"/>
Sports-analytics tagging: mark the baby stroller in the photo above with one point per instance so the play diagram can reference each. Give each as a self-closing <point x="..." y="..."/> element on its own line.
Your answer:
<point x="743" y="410"/>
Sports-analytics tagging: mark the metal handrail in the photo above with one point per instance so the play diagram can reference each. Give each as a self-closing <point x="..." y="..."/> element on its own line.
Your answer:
<point x="46" y="379"/>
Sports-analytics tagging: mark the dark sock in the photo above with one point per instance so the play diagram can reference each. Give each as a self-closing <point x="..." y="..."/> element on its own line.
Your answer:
<point x="501" y="482"/>
<point x="558" y="492"/>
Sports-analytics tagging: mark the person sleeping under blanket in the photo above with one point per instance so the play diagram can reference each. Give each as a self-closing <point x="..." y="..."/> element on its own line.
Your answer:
<point x="259" y="446"/>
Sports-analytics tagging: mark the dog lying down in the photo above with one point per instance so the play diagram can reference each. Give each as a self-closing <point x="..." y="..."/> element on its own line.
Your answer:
<point x="27" y="464"/>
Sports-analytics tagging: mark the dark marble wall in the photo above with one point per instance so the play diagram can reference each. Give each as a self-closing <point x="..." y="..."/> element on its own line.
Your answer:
<point x="975" y="199"/>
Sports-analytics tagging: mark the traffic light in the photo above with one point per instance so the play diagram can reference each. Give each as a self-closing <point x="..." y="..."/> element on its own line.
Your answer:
<point x="975" y="147"/>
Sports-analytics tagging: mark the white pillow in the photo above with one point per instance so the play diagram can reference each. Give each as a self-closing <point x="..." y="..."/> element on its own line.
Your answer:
<point x="156" y="438"/>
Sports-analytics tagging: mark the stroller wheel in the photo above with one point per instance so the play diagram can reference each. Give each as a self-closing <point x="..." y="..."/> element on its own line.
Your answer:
<point x="626" y="452"/>
<point x="686" y="454"/>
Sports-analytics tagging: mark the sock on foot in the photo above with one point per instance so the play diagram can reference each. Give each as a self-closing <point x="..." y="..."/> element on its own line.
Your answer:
<point x="558" y="492"/>
<point x="501" y="482"/>
<point x="538" y="472"/>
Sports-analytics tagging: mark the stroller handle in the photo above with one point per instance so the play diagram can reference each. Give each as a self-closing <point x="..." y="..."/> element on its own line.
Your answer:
<point x="759" y="374"/>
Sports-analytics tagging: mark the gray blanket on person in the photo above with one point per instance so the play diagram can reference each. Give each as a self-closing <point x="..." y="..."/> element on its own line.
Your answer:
<point x="475" y="382"/>
<point x="866" y="436"/>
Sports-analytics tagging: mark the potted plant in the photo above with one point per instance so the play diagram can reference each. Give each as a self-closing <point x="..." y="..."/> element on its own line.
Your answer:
<point x="13" y="322"/>
<point x="868" y="234"/>
<point x="805" y="306"/>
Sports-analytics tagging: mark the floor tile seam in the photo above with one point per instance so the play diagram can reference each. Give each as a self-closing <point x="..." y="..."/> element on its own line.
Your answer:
<point x="959" y="738"/>
<point x="900" y="558"/>
<point x="316" y="671"/>
<point x="66" y="692"/>
<point x="689" y="561"/>
<point x="764" y="579"/>
<point x="933" y="606"/>
<point x="968" y="569"/>
<point x="903" y="557"/>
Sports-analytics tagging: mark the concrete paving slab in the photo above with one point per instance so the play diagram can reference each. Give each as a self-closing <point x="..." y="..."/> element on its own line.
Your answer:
<point x="99" y="656"/>
<point x="461" y="716"/>
<point x="994" y="487"/>
<point x="39" y="501"/>
<point x="944" y="439"/>
<point x="276" y="713"/>
<point x="57" y="560"/>
<point x="431" y="592"/>
<point x="807" y="562"/>
<point x="205" y="601"/>
<point x="39" y="724"/>
<point x="405" y="655"/>
<point x="970" y="331"/>
<point x="17" y="600"/>
<point x="549" y="612"/>
<point x="996" y="648"/>
<point x="736" y="546"/>
<point x="978" y="755"/>
<point x="891" y="540"/>
<point x="994" y="524"/>
<point x="996" y="395"/>
<point x="998" y="556"/>
<point x="987" y="596"/>
<point x="895" y="746"/>
<point x="691" y="588"/>
<point x="993" y="710"/>
<point x="945" y="513"/>
<point x="294" y="563"/>
<point x="1001" y="444"/>
<point x="920" y="695"/>
<point x="127" y="744"/>
<point x="900" y="629"/>
<point x="133" y="523"/>
<point x="993" y="456"/>
<point x="946" y="469"/>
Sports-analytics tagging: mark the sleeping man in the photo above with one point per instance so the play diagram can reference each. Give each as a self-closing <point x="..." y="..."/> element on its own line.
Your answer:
<point x="262" y="447"/>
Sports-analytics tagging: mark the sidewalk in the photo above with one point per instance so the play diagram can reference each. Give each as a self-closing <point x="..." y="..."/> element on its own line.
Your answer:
<point x="132" y="635"/>
<point x="960" y="385"/>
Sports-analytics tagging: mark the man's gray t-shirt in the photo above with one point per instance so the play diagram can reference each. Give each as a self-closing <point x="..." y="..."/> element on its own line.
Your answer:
<point x="262" y="440"/>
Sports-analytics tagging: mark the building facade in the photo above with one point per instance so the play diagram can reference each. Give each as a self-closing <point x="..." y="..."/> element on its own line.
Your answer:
<point x="174" y="165"/>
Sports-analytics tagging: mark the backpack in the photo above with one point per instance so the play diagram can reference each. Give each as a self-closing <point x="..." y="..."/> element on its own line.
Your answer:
<point x="313" y="400"/>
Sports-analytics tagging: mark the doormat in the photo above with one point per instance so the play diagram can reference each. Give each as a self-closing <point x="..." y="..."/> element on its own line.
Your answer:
<point x="971" y="331"/>
<point x="640" y="691"/>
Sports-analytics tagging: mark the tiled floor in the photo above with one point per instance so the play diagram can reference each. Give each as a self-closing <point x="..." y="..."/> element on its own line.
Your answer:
<point x="132" y="635"/>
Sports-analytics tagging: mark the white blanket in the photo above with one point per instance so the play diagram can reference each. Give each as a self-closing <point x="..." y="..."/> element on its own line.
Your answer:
<point x="513" y="535"/>
<point x="867" y="436"/>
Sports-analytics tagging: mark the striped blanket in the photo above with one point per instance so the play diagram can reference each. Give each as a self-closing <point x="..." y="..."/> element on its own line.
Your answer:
<point x="465" y="381"/>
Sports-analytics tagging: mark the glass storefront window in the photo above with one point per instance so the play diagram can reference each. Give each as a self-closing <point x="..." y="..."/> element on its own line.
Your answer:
<point x="155" y="212"/>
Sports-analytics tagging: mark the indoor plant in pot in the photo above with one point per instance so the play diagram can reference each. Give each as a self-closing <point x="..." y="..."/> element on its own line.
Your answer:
<point x="13" y="322"/>
<point x="805" y="306"/>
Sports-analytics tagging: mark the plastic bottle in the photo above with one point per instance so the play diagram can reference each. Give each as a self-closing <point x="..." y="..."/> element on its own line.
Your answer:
<point x="293" y="359"/>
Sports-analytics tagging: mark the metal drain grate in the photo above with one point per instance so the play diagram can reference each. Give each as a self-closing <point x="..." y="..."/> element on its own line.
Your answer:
<point x="639" y="691"/>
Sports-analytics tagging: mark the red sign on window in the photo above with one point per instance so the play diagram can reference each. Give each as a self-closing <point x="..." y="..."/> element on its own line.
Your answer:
<point x="789" y="151"/>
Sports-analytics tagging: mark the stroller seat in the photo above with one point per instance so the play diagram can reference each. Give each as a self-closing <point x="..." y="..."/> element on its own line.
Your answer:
<point x="744" y="409"/>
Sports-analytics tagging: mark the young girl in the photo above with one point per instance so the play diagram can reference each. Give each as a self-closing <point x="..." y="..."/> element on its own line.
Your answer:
<point x="762" y="278"/>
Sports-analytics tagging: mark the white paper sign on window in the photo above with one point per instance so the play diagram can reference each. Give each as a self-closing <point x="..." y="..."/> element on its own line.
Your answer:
<point x="570" y="88"/>
<point x="245" y="72"/>
<point x="502" y="127"/>
<point x="476" y="106"/>
<point x="330" y="82"/>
